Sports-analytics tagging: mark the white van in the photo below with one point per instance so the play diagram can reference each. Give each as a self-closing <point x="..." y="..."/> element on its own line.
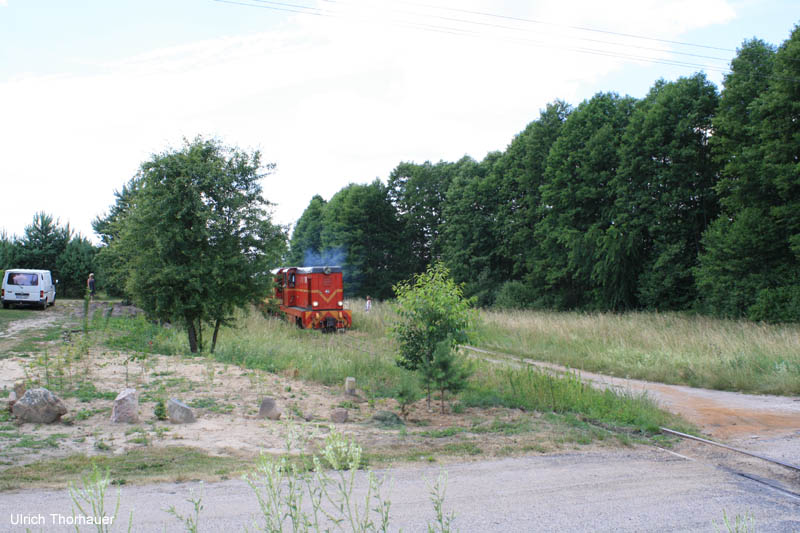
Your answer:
<point x="30" y="287"/>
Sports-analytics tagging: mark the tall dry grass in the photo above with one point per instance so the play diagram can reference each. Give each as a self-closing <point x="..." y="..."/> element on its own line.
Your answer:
<point x="665" y="347"/>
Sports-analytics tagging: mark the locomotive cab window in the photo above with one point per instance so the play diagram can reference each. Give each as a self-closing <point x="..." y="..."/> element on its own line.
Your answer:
<point x="291" y="280"/>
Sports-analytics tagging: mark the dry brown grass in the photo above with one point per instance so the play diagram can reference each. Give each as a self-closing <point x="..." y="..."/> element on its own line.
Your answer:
<point x="667" y="347"/>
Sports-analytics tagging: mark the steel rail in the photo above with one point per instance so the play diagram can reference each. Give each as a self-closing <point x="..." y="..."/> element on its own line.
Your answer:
<point x="745" y="452"/>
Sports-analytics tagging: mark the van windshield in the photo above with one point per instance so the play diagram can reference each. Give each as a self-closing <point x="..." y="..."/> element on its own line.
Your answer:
<point x="24" y="279"/>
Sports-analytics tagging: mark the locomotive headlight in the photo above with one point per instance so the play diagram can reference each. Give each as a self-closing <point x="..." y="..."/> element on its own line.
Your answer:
<point x="315" y="304"/>
<point x="339" y="303"/>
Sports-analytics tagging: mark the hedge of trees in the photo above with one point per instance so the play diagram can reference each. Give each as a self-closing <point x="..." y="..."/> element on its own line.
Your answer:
<point x="688" y="198"/>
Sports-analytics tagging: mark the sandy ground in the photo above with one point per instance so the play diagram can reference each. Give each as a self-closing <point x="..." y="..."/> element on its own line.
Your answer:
<point x="225" y="400"/>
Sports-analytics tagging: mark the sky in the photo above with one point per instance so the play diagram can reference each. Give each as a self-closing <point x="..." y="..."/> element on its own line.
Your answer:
<point x="331" y="91"/>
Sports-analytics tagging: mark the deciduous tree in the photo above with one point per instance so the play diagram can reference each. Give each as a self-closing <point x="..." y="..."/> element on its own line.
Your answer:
<point x="198" y="241"/>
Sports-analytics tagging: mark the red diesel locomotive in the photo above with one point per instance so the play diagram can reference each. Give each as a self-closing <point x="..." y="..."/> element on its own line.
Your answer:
<point x="312" y="297"/>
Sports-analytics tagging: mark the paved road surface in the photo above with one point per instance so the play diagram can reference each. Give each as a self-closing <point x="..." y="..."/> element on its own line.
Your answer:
<point x="638" y="489"/>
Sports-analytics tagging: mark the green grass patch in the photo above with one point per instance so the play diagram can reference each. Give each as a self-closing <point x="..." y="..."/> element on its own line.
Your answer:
<point x="534" y="390"/>
<point x="28" y="441"/>
<point x="140" y="335"/>
<point x="35" y="342"/>
<point x="442" y="433"/>
<point x="147" y="464"/>
<point x="85" y="414"/>
<point x="86" y="392"/>
<point x="461" y="448"/>
<point x="505" y="427"/>
<point x="24" y="440"/>
<point x="211" y="404"/>
<point x="10" y="315"/>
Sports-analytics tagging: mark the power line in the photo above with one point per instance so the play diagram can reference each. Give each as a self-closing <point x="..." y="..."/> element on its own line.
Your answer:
<point x="513" y="28"/>
<point x="438" y="28"/>
<point x="580" y="28"/>
<point x="303" y="9"/>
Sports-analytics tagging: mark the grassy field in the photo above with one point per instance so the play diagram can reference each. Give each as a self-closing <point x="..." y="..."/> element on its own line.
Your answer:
<point x="664" y="347"/>
<point x="368" y="354"/>
<point x="505" y="410"/>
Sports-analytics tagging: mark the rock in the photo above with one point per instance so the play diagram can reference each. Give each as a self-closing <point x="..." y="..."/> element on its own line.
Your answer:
<point x="387" y="418"/>
<point x="126" y="408"/>
<point x="179" y="412"/>
<point x="269" y="409"/>
<point x="339" y="415"/>
<point x="350" y="386"/>
<point x="39" y="406"/>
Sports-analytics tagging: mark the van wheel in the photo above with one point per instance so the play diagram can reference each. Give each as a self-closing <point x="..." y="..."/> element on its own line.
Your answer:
<point x="44" y="304"/>
<point x="5" y="305"/>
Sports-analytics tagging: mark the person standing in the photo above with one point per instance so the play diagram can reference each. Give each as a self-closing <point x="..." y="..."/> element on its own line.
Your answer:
<point x="368" y="305"/>
<point x="90" y="286"/>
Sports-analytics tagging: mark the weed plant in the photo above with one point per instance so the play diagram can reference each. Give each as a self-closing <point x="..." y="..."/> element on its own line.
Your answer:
<point x="664" y="347"/>
<point x="323" y="499"/>
<point x="737" y="524"/>
<point x="89" y="501"/>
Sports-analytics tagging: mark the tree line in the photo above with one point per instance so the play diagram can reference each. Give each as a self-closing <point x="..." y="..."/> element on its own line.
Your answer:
<point x="684" y="199"/>
<point x="47" y="244"/>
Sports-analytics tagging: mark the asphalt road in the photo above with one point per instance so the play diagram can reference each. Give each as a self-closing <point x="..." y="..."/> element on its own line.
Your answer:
<point x="639" y="489"/>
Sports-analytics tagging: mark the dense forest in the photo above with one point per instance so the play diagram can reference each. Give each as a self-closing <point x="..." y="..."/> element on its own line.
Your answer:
<point x="686" y="199"/>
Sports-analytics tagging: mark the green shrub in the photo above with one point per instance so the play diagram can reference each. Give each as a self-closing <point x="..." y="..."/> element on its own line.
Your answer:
<point x="781" y="304"/>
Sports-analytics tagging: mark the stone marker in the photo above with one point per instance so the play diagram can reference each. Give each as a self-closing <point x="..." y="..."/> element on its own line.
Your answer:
<point x="350" y="386"/>
<point x="39" y="406"/>
<point x="179" y="412"/>
<point x="269" y="409"/>
<point x="339" y="415"/>
<point x="126" y="407"/>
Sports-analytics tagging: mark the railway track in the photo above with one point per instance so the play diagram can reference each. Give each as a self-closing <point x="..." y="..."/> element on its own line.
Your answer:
<point x="775" y="474"/>
<point x="772" y="474"/>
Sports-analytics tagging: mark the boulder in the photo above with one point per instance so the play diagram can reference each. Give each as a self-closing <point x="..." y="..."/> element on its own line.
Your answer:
<point x="179" y="412"/>
<point x="269" y="409"/>
<point x="39" y="406"/>
<point x="126" y="407"/>
<point x="387" y="418"/>
<point x="339" y="415"/>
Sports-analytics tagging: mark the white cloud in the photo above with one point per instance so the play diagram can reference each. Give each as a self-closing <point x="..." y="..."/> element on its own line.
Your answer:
<point x="330" y="99"/>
